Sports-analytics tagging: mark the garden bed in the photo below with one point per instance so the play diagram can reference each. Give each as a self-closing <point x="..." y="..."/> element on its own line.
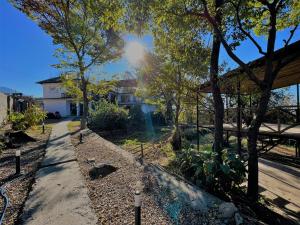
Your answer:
<point x="112" y="195"/>
<point x="17" y="189"/>
<point x="155" y="143"/>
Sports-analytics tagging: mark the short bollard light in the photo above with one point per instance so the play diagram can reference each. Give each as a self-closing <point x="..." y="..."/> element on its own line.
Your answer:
<point x="137" y="205"/>
<point x="18" y="162"/>
<point x="43" y="127"/>
<point x="81" y="137"/>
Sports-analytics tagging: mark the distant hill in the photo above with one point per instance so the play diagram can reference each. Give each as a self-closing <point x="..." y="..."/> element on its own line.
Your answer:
<point x="7" y="90"/>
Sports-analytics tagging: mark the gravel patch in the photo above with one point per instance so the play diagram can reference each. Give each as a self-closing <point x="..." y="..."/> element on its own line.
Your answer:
<point x="18" y="189"/>
<point x="112" y="196"/>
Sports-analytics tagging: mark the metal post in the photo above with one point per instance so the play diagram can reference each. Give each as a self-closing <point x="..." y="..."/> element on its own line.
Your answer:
<point x="137" y="206"/>
<point x="18" y="162"/>
<point x="239" y="141"/>
<point x="278" y="120"/>
<point x="142" y="151"/>
<point x="298" y="105"/>
<point x="198" y="138"/>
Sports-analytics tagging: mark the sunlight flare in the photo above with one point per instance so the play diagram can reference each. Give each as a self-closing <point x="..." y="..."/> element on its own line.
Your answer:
<point x="134" y="53"/>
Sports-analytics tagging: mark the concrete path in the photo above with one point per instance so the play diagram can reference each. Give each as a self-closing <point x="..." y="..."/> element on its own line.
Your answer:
<point x="59" y="196"/>
<point x="281" y="184"/>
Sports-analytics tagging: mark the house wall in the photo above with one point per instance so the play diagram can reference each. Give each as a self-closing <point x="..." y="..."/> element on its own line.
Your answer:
<point x="53" y="90"/>
<point x="4" y="107"/>
<point x="60" y="105"/>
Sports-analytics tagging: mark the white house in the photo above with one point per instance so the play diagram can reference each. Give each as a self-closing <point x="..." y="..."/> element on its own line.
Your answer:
<point x="124" y="95"/>
<point x="55" y="98"/>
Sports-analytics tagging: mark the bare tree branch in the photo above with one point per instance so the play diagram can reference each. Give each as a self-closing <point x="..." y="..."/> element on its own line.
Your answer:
<point x="229" y="51"/>
<point x="291" y="35"/>
<point x="282" y="63"/>
<point x="237" y="8"/>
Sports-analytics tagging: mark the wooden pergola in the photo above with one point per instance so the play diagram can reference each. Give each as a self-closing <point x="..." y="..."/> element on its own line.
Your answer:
<point x="237" y="82"/>
<point x="288" y="76"/>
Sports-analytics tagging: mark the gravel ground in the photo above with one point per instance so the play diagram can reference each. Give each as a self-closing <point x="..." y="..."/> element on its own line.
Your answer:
<point x="18" y="189"/>
<point x="112" y="195"/>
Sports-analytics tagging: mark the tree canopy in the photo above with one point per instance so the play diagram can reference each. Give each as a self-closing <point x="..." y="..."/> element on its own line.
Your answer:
<point x="87" y="33"/>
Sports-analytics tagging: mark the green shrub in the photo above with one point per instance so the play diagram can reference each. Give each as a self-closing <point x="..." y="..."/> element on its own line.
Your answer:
<point x="34" y="115"/>
<point x="130" y="143"/>
<point x="202" y="168"/>
<point x="136" y="118"/>
<point x="107" y="116"/>
<point x="18" y="121"/>
<point x="31" y="117"/>
<point x="190" y="134"/>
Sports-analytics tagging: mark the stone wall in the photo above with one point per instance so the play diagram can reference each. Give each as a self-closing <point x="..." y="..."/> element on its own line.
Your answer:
<point x="3" y="108"/>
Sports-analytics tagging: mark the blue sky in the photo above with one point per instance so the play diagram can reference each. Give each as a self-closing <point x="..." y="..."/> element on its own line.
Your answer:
<point x="26" y="52"/>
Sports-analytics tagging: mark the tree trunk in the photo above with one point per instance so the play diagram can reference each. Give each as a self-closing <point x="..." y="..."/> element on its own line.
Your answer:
<point x="217" y="99"/>
<point x="83" y="122"/>
<point x="176" y="139"/>
<point x="252" y="144"/>
<point x="169" y="112"/>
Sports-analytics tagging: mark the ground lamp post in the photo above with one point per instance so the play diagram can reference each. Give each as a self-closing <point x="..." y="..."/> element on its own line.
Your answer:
<point x="137" y="206"/>
<point x="43" y="127"/>
<point x="81" y="138"/>
<point x="18" y="162"/>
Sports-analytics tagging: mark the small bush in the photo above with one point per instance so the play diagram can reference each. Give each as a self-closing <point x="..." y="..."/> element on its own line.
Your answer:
<point x="190" y="134"/>
<point x="107" y="116"/>
<point x="18" y="121"/>
<point x="34" y="115"/>
<point x="202" y="168"/>
<point x="136" y="118"/>
<point x="31" y="117"/>
<point x="133" y="142"/>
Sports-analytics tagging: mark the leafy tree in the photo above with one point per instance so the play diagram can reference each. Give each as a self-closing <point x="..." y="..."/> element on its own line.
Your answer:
<point x="262" y="18"/>
<point x="243" y="20"/>
<point x="87" y="32"/>
<point x="177" y="18"/>
<point x="95" y="89"/>
<point x="166" y="80"/>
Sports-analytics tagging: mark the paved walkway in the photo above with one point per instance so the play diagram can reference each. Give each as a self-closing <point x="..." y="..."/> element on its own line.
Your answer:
<point x="59" y="196"/>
